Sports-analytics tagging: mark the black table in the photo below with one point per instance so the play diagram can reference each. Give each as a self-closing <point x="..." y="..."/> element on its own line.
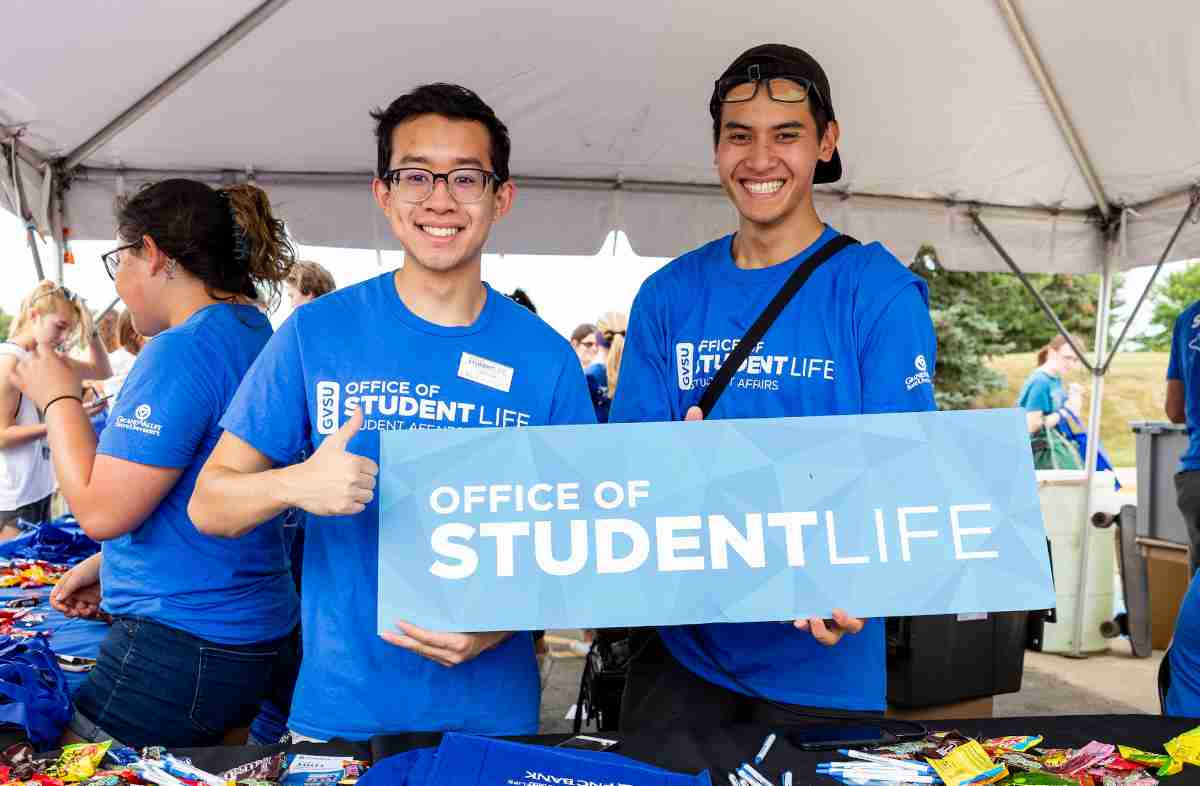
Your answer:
<point x="719" y="750"/>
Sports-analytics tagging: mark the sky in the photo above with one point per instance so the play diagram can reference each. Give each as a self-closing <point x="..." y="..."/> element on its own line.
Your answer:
<point x="567" y="290"/>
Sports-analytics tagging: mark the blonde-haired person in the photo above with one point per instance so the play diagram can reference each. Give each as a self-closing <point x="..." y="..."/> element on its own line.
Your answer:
<point x="604" y="373"/>
<point x="307" y="282"/>
<point x="203" y="626"/>
<point x="1045" y="399"/>
<point x="51" y="317"/>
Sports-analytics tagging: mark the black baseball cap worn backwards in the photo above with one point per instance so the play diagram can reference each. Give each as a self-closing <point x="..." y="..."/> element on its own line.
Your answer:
<point x="780" y="60"/>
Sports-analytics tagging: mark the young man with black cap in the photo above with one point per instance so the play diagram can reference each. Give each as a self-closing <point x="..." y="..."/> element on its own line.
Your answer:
<point x="856" y="338"/>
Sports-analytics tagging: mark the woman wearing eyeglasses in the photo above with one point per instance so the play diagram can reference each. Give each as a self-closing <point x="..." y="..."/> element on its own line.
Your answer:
<point x="202" y="625"/>
<point x="51" y="316"/>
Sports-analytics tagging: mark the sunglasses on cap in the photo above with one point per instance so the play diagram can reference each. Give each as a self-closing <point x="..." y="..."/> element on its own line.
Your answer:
<point x="782" y="87"/>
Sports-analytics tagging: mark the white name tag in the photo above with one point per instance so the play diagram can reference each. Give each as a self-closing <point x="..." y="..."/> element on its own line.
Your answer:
<point x="486" y="372"/>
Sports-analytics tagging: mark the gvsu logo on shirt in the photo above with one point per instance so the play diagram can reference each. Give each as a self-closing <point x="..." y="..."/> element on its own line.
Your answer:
<point x="685" y="364"/>
<point x="140" y="422"/>
<point x="921" y="377"/>
<point x="329" y="396"/>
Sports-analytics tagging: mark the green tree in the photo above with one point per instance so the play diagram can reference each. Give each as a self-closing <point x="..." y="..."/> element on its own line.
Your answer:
<point x="1072" y="297"/>
<point x="5" y="321"/>
<point x="966" y="334"/>
<point x="1170" y="298"/>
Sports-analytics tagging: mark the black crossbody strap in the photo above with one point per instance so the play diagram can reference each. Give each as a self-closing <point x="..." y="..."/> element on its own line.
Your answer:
<point x="767" y="318"/>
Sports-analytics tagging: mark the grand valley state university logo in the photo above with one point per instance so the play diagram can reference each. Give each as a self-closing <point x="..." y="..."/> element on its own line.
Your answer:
<point x="140" y="422"/>
<point x="921" y="377"/>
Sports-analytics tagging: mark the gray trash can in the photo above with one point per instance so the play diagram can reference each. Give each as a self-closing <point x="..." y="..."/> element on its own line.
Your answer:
<point x="1159" y="446"/>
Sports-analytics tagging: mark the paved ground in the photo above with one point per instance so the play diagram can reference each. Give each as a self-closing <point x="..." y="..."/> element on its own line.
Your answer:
<point x="1111" y="683"/>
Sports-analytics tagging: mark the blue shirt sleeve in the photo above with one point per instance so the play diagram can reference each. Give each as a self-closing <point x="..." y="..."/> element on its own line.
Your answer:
<point x="165" y="409"/>
<point x="1037" y="395"/>
<point x="1183" y="697"/>
<point x="899" y="356"/>
<point x="1178" y="347"/>
<point x="269" y="412"/>
<point x="571" y="404"/>
<point x="647" y="377"/>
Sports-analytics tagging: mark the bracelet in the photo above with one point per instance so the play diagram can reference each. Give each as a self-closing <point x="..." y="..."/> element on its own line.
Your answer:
<point x="50" y="403"/>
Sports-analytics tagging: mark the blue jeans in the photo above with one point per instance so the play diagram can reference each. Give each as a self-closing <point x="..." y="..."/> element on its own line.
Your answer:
<point x="156" y="685"/>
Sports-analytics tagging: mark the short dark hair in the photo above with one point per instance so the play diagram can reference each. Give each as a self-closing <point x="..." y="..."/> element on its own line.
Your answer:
<point x="450" y="101"/>
<point x="819" y="113"/>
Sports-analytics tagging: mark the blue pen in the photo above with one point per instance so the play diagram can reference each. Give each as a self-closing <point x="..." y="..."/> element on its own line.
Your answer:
<point x="912" y="765"/>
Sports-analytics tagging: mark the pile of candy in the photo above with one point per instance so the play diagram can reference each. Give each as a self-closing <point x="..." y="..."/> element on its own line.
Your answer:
<point x="952" y="759"/>
<point x="26" y="574"/>
<point x="102" y="764"/>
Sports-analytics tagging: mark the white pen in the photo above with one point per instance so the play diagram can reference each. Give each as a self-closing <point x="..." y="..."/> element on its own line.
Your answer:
<point x="733" y="780"/>
<point x="756" y="775"/>
<point x="912" y="765"/>
<point x="787" y="778"/>
<point x="907" y="776"/>
<point x="766" y="747"/>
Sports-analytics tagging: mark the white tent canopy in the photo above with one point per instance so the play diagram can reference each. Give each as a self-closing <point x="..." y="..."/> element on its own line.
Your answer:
<point x="1065" y="135"/>
<point x="607" y="105"/>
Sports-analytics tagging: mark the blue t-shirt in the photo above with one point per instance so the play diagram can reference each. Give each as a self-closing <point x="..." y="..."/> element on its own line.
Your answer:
<point x="1183" y="697"/>
<point x="597" y="382"/>
<point x="230" y="591"/>
<point x="360" y="346"/>
<point x="856" y="338"/>
<point x="1185" y="344"/>
<point x="1043" y="393"/>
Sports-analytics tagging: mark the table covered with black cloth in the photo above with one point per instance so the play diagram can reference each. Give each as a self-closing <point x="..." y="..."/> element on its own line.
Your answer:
<point x="719" y="750"/>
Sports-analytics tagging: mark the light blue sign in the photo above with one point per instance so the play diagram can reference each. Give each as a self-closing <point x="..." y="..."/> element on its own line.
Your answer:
<point x="723" y="521"/>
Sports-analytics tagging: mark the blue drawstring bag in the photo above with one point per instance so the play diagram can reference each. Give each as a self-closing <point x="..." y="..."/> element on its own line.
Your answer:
<point x="1072" y="428"/>
<point x="33" y="691"/>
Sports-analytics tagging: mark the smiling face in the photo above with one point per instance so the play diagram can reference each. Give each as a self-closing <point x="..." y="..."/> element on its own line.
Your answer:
<point x="766" y="154"/>
<point x="440" y="234"/>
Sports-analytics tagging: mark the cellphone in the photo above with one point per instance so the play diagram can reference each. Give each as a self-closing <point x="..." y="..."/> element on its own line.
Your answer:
<point x="587" y="743"/>
<point x="76" y="663"/>
<point x="102" y="399"/>
<point x="820" y="738"/>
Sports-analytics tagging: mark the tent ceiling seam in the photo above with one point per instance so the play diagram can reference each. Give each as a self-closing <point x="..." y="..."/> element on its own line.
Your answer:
<point x="177" y="79"/>
<point x="1041" y="76"/>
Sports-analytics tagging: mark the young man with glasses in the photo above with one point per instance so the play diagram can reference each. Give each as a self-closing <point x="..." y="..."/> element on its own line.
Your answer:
<point x="856" y="338"/>
<point x="426" y="346"/>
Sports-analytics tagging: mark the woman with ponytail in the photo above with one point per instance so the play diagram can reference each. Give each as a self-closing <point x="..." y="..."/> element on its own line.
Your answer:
<point x="201" y="625"/>
<point x="51" y="317"/>
<point x="604" y="373"/>
<point x="1045" y="401"/>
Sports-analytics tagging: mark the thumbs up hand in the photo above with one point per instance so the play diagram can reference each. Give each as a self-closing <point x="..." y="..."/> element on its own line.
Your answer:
<point x="334" y="481"/>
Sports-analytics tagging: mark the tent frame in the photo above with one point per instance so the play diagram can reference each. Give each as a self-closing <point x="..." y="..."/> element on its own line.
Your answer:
<point x="1112" y="225"/>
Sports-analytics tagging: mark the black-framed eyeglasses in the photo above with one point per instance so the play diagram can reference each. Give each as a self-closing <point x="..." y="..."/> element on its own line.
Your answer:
<point x="415" y="185"/>
<point x="112" y="260"/>
<point x="785" y="88"/>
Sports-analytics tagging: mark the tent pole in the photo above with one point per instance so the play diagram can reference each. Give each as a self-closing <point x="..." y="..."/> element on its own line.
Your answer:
<point x="1112" y="246"/>
<point x="1193" y="204"/>
<point x="165" y="88"/>
<point x="1037" y="67"/>
<point x="1037" y="296"/>
<point x="23" y="211"/>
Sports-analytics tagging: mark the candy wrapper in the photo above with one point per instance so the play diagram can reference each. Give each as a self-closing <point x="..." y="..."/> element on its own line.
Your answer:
<point x="1129" y="779"/>
<point x="1018" y="762"/>
<point x="121" y="756"/>
<point x="1094" y="754"/>
<point x="1040" y="779"/>
<point x="306" y="770"/>
<point x="1165" y="764"/>
<point x="968" y="763"/>
<point x="268" y="768"/>
<point x="352" y="770"/>
<point x="1185" y="747"/>
<point x="78" y="762"/>
<point x="1014" y="744"/>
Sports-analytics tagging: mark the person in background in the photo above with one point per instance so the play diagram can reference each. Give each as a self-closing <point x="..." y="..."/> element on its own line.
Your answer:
<point x="129" y="345"/>
<point x="50" y="317"/>
<point x="1183" y="406"/>
<point x="202" y="626"/>
<point x="307" y="282"/>
<point x="583" y="341"/>
<point x="106" y="328"/>
<point x="1044" y="397"/>
<point x="603" y="373"/>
